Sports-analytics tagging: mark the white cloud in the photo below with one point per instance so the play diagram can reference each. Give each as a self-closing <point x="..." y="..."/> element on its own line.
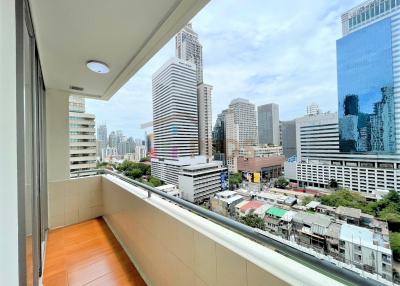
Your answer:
<point x="266" y="51"/>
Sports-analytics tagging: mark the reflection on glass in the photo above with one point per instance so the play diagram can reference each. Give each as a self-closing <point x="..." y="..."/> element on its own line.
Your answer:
<point x="366" y="97"/>
<point x="28" y="157"/>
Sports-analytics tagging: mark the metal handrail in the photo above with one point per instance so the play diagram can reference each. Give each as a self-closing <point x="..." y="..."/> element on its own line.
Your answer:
<point x="339" y="274"/>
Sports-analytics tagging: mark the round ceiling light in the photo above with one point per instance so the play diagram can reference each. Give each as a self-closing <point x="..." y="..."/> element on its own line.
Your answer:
<point x="98" y="67"/>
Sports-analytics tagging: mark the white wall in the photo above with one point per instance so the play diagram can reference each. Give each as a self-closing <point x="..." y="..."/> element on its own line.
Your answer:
<point x="57" y="135"/>
<point x="8" y="145"/>
<point x="74" y="200"/>
<point x="172" y="246"/>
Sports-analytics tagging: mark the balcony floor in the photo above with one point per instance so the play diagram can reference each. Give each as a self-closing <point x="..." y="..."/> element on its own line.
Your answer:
<point x="87" y="254"/>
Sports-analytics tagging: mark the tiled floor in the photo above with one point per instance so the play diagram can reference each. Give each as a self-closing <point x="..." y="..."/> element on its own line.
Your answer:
<point x="87" y="254"/>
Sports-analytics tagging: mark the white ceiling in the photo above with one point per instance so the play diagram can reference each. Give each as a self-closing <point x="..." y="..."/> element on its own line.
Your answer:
<point x="125" y="34"/>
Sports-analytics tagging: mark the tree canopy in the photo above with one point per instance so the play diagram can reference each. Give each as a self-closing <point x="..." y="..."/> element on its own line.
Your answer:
<point x="395" y="245"/>
<point x="235" y="180"/>
<point x="253" y="220"/>
<point x="281" y="183"/>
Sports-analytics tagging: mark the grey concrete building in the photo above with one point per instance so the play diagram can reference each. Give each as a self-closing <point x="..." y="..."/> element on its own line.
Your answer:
<point x="268" y="124"/>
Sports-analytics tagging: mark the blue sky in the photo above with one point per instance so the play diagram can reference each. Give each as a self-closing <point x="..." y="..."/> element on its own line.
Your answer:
<point x="266" y="51"/>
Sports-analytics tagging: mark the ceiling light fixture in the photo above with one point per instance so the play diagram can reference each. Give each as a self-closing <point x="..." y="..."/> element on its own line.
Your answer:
<point x="98" y="67"/>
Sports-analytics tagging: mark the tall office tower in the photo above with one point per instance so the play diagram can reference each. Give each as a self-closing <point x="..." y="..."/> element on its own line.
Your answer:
<point x="245" y="117"/>
<point x="218" y="137"/>
<point x="313" y="109"/>
<point x="268" y="124"/>
<point x="112" y="140"/>
<point x="231" y="132"/>
<point x="368" y="81"/>
<point x="175" y="119"/>
<point x="102" y="135"/>
<point x="288" y="138"/>
<point x="188" y="48"/>
<point x="317" y="136"/>
<point x="82" y="136"/>
<point x="205" y="119"/>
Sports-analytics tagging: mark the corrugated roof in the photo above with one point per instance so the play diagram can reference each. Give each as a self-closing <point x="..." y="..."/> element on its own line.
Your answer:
<point x="278" y="212"/>
<point x="252" y="205"/>
<point x="365" y="237"/>
<point x="351" y="212"/>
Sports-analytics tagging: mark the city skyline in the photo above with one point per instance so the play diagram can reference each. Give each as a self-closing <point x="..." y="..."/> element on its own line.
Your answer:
<point x="254" y="66"/>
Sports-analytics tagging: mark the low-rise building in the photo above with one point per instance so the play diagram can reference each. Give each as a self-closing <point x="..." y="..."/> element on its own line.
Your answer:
<point x="267" y="197"/>
<point x="251" y="207"/>
<point x="273" y="217"/>
<point x="366" y="249"/>
<point x="310" y="230"/>
<point x="269" y="167"/>
<point x="224" y="202"/>
<point x="170" y="190"/>
<point x="200" y="182"/>
<point x="349" y="215"/>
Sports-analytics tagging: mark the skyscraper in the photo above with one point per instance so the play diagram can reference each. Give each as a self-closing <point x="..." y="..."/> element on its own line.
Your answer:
<point x="112" y="139"/>
<point x="188" y="48"/>
<point x="268" y="124"/>
<point x="175" y="119"/>
<point x="102" y="135"/>
<point x="368" y="81"/>
<point x="288" y="135"/>
<point x="81" y="136"/>
<point x="205" y="119"/>
<point x="245" y="116"/>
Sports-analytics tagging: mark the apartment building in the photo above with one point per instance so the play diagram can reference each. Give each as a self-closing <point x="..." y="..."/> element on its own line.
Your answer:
<point x="82" y="136"/>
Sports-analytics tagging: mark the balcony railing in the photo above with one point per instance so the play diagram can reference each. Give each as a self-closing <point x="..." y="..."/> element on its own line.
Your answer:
<point x="326" y="268"/>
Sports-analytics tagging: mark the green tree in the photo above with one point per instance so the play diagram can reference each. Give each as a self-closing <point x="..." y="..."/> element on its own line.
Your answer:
<point x="395" y="245"/>
<point x="344" y="198"/>
<point x="235" y="180"/>
<point x="134" y="173"/>
<point x="333" y="184"/>
<point x="155" y="182"/>
<point x="281" y="183"/>
<point x="253" y="220"/>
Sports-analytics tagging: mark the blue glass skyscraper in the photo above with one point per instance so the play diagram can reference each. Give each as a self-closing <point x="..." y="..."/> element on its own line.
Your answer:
<point x="368" y="66"/>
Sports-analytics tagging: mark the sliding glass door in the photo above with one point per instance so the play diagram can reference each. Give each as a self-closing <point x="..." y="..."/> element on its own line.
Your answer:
<point x="33" y="138"/>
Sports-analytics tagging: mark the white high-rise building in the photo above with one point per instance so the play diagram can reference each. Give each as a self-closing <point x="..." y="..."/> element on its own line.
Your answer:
<point x="188" y="48"/>
<point x="317" y="136"/>
<point x="175" y="110"/>
<point x="82" y="136"/>
<point x="231" y="140"/>
<point x="313" y="109"/>
<point x="175" y="119"/>
<point x="205" y="119"/>
<point x="245" y="117"/>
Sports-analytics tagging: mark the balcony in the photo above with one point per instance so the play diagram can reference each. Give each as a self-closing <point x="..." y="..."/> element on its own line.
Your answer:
<point x="167" y="243"/>
<point x="87" y="253"/>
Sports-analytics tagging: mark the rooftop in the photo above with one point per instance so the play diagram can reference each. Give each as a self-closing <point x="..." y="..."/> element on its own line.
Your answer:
<point x="278" y="212"/>
<point x="251" y="205"/>
<point x="365" y="237"/>
<point x="351" y="212"/>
